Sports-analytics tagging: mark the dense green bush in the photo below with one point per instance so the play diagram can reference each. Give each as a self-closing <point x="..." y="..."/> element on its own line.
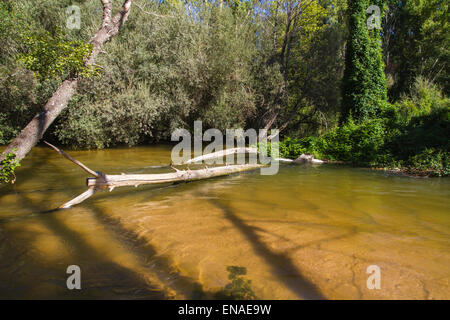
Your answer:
<point x="31" y="37"/>
<point x="436" y="162"/>
<point x="291" y="148"/>
<point x="353" y="143"/>
<point x="50" y="56"/>
<point x="430" y="131"/>
<point x="424" y="98"/>
<point x="419" y="129"/>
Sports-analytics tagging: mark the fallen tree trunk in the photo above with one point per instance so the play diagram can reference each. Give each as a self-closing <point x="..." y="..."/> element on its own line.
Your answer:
<point x="124" y="180"/>
<point x="222" y="153"/>
<point x="104" y="181"/>
<point x="35" y="129"/>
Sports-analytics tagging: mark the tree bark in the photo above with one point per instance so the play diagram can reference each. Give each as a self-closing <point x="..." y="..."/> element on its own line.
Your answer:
<point x="35" y="129"/>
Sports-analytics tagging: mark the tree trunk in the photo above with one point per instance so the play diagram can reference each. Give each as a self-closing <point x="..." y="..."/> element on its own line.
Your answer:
<point x="34" y="131"/>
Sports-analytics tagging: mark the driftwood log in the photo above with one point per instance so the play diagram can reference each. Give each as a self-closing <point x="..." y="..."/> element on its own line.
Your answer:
<point x="103" y="181"/>
<point x="222" y="153"/>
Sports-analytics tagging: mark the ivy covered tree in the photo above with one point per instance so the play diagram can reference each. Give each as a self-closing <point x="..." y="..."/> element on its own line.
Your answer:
<point x="364" y="83"/>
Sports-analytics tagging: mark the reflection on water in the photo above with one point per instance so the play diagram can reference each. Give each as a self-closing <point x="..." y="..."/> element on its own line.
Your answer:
<point x="309" y="232"/>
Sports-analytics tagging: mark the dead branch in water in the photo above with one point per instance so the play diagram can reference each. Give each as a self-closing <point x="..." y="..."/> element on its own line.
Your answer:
<point x="104" y="181"/>
<point x="222" y="153"/>
<point x="78" y="163"/>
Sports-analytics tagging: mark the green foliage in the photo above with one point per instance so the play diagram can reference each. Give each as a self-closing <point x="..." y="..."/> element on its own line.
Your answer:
<point x="358" y="144"/>
<point x="7" y="167"/>
<point x="50" y="56"/>
<point x="419" y="44"/>
<point x="364" y="83"/>
<point x="35" y="39"/>
<point x="435" y="162"/>
<point x="179" y="70"/>
<point x="429" y="131"/>
<point x="425" y="97"/>
<point x="239" y="288"/>
<point x="411" y="134"/>
<point x="291" y="148"/>
<point x="21" y="94"/>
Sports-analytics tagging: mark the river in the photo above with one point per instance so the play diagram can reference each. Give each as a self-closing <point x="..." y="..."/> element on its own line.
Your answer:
<point x="307" y="232"/>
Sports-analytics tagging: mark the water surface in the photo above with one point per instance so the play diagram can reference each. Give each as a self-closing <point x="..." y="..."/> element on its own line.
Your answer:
<point x="307" y="232"/>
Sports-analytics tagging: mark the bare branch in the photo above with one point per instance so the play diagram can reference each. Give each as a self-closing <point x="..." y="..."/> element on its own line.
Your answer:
<point x="222" y="153"/>
<point x="78" y="163"/>
<point x="89" y="192"/>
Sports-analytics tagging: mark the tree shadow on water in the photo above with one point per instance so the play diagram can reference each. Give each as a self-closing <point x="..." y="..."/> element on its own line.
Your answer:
<point x="148" y="256"/>
<point x="116" y="278"/>
<point x="281" y="265"/>
<point x="101" y="277"/>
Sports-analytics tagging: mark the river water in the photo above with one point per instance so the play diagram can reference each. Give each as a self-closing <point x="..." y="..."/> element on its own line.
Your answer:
<point x="307" y="232"/>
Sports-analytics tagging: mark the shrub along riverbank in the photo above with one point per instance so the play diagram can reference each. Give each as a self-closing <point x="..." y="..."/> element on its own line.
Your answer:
<point x="411" y="135"/>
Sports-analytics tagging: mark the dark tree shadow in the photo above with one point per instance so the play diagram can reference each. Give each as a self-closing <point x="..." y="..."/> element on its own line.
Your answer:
<point x="147" y="253"/>
<point x="281" y="265"/>
<point x="101" y="279"/>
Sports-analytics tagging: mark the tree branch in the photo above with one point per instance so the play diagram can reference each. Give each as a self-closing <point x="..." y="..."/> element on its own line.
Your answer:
<point x="78" y="163"/>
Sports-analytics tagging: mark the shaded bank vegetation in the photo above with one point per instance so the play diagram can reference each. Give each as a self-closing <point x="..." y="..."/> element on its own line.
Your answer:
<point x="310" y="68"/>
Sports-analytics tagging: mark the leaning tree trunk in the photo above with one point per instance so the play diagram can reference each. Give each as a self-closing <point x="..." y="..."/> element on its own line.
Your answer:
<point x="36" y="128"/>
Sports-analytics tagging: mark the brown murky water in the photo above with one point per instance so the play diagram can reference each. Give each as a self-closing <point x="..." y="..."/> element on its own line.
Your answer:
<point x="307" y="232"/>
